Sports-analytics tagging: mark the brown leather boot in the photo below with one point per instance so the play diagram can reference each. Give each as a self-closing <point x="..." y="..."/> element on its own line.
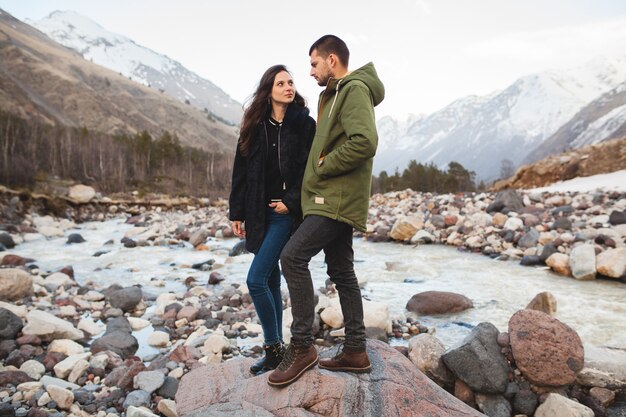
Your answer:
<point x="297" y="360"/>
<point x="348" y="360"/>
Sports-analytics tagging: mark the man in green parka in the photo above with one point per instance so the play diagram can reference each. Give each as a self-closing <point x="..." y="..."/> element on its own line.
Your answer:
<point x="335" y="201"/>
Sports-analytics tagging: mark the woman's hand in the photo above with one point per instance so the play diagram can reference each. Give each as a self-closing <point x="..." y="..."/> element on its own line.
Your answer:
<point x="279" y="207"/>
<point x="238" y="228"/>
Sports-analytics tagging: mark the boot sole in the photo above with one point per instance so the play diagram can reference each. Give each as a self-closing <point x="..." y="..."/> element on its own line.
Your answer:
<point x="284" y="383"/>
<point x="348" y="369"/>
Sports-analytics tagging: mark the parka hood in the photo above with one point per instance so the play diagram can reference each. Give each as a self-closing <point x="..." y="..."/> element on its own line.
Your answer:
<point x="366" y="74"/>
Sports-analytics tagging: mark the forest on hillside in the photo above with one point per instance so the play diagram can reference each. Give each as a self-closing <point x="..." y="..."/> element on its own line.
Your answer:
<point x="31" y="152"/>
<point x="428" y="178"/>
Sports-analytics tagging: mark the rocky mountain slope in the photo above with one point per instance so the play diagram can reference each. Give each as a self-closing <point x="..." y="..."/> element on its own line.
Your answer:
<point x="599" y="158"/>
<point x="139" y="63"/>
<point x="602" y="119"/>
<point x="46" y="82"/>
<point x="480" y="132"/>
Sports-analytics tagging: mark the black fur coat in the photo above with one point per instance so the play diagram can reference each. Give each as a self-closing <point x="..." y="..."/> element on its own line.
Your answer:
<point x="247" y="197"/>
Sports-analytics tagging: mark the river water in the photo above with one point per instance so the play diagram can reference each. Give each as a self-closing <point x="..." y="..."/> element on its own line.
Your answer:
<point x="392" y="272"/>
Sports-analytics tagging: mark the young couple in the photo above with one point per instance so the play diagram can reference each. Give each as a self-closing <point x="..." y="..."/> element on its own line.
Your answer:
<point x="297" y="190"/>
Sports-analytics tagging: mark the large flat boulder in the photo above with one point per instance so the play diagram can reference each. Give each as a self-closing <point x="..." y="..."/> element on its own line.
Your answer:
<point x="394" y="388"/>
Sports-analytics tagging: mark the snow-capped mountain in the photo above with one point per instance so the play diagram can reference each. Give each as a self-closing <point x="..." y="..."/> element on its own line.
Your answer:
<point x="480" y="132"/>
<point x="141" y="64"/>
<point x="602" y="119"/>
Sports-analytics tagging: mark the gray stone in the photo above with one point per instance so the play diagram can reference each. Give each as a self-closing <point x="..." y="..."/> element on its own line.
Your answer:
<point x="10" y="324"/>
<point x="494" y="405"/>
<point x="149" y="381"/>
<point x="169" y="388"/>
<point x="137" y="398"/>
<point x="529" y="239"/>
<point x="6" y="240"/>
<point x="477" y="361"/>
<point x="126" y="299"/>
<point x="582" y="262"/>
<point x="120" y="342"/>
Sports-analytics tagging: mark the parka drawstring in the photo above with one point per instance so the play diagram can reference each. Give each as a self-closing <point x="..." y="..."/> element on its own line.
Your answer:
<point x="334" y="99"/>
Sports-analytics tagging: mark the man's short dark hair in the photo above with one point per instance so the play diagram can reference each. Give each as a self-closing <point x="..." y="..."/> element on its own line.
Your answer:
<point x="330" y="44"/>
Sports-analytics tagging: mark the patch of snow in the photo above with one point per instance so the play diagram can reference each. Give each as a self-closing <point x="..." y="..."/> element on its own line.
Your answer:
<point x="614" y="181"/>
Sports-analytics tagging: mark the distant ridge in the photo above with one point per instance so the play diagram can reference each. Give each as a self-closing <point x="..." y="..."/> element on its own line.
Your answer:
<point x="49" y="83"/>
<point x="141" y="64"/>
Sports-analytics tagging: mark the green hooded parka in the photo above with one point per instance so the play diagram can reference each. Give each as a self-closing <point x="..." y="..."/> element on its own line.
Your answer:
<point x="338" y="174"/>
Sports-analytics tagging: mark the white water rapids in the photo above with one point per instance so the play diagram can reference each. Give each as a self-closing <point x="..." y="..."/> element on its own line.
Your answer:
<point x="393" y="273"/>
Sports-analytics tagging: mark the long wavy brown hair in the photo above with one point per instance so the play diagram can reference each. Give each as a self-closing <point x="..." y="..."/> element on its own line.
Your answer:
<point x="260" y="107"/>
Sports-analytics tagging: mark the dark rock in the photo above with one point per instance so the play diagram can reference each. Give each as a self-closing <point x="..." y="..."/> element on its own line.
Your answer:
<point x="6" y="347"/>
<point x="438" y="221"/>
<point x="494" y="405"/>
<point x="562" y="223"/>
<point x="529" y="239"/>
<point x="238" y="249"/>
<point x="68" y="270"/>
<point x="615" y="218"/>
<point x="116" y="324"/>
<point x="7" y="241"/>
<point x="83" y="396"/>
<point x="13" y="378"/>
<point x="478" y="362"/>
<point x="123" y="376"/>
<point x="561" y="210"/>
<point x="100" y="253"/>
<point x="507" y="235"/>
<point x="129" y="243"/>
<point x="137" y="398"/>
<point x="15" y="358"/>
<point x="548" y="249"/>
<point x="126" y="299"/>
<point x="531" y="260"/>
<point x="204" y="266"/>
<point x="6" y="410"/>
<point x="10" y="324"/>
<point x="511" y="390"/>
<point x="605" y="240"/>
<point x="120" y="342"/>
<point x="51" y="359"/>
<point x="507" y="201"/>
<point x="215" y="278"/>
<point x="525" y="400"/>
<point x="37" y="412"/>
<point x="169" y="388"/>
<point x="75" y="238"/>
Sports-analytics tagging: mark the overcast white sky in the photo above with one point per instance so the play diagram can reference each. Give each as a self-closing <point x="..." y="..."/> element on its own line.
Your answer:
<point x="428" y="53"/>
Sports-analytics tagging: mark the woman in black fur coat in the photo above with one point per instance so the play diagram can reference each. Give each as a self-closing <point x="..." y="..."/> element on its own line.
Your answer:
<point x="274" y="143"/>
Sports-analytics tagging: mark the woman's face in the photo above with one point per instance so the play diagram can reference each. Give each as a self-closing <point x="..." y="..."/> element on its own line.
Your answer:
<point x="284" y="90"/>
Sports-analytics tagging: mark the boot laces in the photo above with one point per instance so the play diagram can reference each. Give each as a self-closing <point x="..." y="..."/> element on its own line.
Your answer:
<point x="340" y="353"/>
<point x="289" y="358"/>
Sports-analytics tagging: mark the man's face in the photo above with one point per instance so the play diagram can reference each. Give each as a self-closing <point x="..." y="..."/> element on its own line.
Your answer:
<point x="320" y="70"/>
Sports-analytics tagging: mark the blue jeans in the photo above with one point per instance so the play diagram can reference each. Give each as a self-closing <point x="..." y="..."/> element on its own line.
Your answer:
<point x="264" y="276"/>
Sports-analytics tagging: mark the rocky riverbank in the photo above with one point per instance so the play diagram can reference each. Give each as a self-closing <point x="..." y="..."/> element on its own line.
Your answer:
<point x="70" y="346"/>
<point x="576" y="234"/>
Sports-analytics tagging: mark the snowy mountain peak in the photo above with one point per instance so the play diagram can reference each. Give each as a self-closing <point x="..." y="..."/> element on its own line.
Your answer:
<point x="480" y="132"/>
<point x="141" y="64"/>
